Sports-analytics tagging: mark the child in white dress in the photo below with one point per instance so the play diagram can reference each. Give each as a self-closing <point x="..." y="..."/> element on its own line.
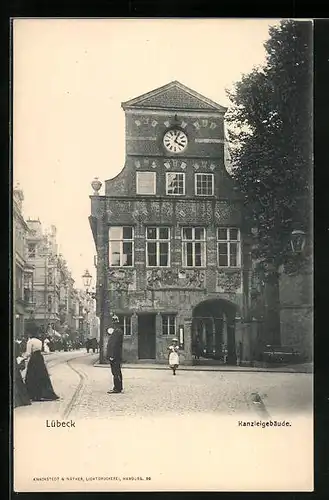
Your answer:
<point x="173" y="355"/>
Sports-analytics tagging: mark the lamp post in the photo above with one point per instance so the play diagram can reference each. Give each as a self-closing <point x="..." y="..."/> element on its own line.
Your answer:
<point x="87" y="279"/>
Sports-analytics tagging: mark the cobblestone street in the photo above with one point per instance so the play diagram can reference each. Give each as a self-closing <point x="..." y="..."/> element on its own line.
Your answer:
<point x="164" y="427"/>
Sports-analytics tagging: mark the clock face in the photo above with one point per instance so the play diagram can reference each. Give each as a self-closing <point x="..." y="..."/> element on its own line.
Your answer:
<point x="175" y="140"/>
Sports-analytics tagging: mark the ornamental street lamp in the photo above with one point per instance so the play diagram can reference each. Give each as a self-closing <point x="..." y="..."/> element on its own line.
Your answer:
<point x="87" y="277"/>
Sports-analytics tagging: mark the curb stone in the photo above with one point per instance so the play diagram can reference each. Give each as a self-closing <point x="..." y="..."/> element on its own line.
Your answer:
<point x="197" y="368"/>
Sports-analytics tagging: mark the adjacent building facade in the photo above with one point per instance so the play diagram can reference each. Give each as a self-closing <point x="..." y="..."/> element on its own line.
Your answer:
<point x="22" y="270"/>
<point x="172" y="256"/>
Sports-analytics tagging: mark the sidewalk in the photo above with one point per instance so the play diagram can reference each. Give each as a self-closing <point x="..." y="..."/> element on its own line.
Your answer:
<point x="298" y="368"/>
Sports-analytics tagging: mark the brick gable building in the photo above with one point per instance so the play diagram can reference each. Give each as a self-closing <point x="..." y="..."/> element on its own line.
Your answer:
<point x="172" y="257"/>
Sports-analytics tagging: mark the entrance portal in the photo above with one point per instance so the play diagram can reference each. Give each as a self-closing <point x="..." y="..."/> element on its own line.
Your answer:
<point x="213" y="331"/>
<point x="146" y="336"/>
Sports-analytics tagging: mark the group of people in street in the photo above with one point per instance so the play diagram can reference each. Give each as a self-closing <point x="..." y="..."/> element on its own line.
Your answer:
<point x="36" y="385"/>
<point x="114" y="355"/>
<point x="92" y="344"/>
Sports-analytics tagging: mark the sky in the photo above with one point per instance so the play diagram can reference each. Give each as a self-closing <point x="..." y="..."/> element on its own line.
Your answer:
<point x="70" y="77"/>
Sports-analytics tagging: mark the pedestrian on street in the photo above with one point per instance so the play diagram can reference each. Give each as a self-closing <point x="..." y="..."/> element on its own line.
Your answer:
<point x="21" y="397"/>
<point x="46" y="346"/>
<point x="174" y="355"/>
<point x="114" y="354"/>
<point x="37" y="380"/>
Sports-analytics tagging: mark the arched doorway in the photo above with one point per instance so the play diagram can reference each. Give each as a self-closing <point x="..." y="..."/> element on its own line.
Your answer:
<point x="213" y="331"/>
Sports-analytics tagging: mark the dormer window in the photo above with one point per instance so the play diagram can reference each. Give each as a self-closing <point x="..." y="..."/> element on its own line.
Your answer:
<point x="145" y="183"/>
<point x="175" y="183"/>
<point x="204" y="184"/>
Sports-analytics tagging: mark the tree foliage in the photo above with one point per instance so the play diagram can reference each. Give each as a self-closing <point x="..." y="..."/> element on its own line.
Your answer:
<point x="270" y="130"/>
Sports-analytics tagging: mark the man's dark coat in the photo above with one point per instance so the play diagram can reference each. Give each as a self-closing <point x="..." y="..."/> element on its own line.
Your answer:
<point x="114" y="345"/>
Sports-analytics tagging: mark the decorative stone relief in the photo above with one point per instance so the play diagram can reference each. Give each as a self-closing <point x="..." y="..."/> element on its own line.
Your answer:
<point x="154" y="165"/>
<point x="229" y="281"/>
<point x="155" y="208"/>
<point x="212" y="166"/>
<point x="122" y="279"/>
<point x="137" y="163"/>
<point x="222" y="212"/>
<point x="196" y="166"/>
<point x="167" y="209"/>
<point x="139" y="214"/>
<point x="192" y="278"/>
<point x="172" y="278"/>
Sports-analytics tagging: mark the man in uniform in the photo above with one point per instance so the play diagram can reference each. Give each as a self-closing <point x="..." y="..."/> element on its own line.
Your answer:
<point x="114" y="354"/>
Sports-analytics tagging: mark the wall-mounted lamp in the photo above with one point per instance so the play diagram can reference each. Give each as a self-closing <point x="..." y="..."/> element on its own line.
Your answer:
<point x="298" y="240"/>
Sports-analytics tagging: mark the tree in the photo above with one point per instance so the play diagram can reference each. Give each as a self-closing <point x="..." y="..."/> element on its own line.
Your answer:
<point x="270" y="130"/>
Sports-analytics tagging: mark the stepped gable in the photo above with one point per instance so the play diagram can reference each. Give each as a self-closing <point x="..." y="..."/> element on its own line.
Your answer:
<point x="175" y="96"/>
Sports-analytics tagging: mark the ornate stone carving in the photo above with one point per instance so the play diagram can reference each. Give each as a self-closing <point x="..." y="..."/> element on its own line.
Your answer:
<point x="222" y="212"/>
<point x="96" y="185"/>
<point x="229" y="281"/>
<point x="192" y="278"/>
<point x="173" y="278"/>
<point x="155" y="208"/>
<point x="121" y="279"/>
<point x="167" y="209"/>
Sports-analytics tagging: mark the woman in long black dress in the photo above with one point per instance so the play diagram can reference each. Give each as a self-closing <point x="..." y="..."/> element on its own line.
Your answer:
<point x="37" y="379"/>
<point x="21" y="396"/>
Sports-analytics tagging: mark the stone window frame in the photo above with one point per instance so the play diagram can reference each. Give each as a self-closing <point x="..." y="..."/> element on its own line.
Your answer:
<point x="168" y="316"/>
<point x="194" y="241"/>
<point x="229" y="241"/>
<point x="158" y="241"/>
<point x="50" y="276"/>
<point x="139" y="174"/>
<point x="31" y="250"/>
<point x="198" y="175"/>
<point x="122" y="241"/>
<point x="19" y="272"/>
<point x="168" y="174"/>
<point x="123" y="324"/>
<point x="50" y="303"/>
